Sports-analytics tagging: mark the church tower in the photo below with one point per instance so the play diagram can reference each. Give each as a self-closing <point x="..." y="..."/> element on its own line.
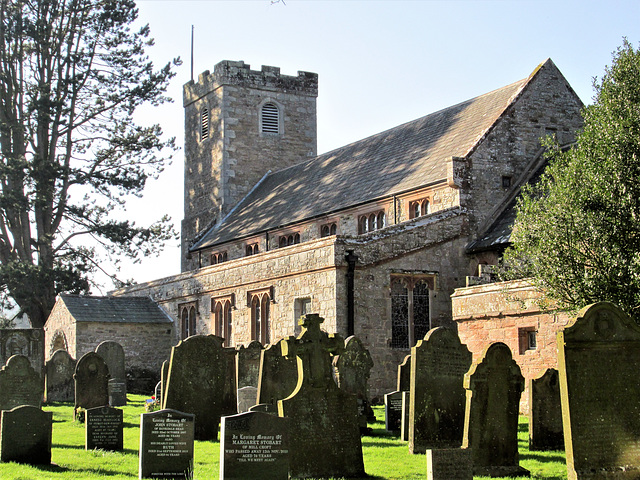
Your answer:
<point x="240" y="124"/>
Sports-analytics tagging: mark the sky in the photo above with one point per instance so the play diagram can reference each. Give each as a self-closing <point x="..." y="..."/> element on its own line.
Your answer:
<point x="380" y="64"/>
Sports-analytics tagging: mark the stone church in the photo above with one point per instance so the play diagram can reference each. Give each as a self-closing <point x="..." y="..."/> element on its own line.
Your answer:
<point x="374" y="236"/>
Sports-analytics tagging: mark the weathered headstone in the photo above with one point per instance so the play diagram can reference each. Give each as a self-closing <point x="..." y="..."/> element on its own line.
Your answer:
<point x="393" y="411"/>
<point x="598" y="363"/>
<point x="265" y="408"/>
<point x="91" y="382"/>
<point x="166" y="445"/>
<point x="352" y="370"/>
<point x="545" y="416"/>
<point x="20" y="384"/>
<point x="404" y="375"/>
<point x="103" y="428"/>
<point x="25" y="341"/>
<point x="59" y="377"/>
<point x="278" y="375"/>
<point x="254" y="445"/>
<point x="404" y="420"/>
<point x="197" y="375"/>
<point x="246" y="398"/>
<point x="494" y="386"/>
<point x="113" y="355"/>
<point x="437" y="396"/>
<point x="25" y="435"/>
<point x="229" y="387"/>
<point x="248" y="364"/>
<point x="325" y="437"/>
<point x="164" y="376"/>
<point x="157" y="393"/>
<point x="449" y="464"/>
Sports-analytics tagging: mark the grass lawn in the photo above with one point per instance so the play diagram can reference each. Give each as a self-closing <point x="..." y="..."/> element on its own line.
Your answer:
<point x="384" y="456"/>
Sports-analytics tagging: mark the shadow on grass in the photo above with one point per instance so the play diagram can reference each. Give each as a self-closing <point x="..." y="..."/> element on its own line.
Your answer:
<point x="63" y="445"/>
<point x="547" y="457"/>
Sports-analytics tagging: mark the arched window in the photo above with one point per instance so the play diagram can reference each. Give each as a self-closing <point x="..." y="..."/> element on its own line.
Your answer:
<point x="410" y="318"/>
<point x="222" y="320"/>
<point x="381" y="220"/>
<point x="282" y="242"/>
<point x="372" y="221"/>
<point x="334" y="229"/>
<point x="219" y="257"/>
<point x="260" y="325"/>
<point x="187" y="320"/>
<point x="287" y="240"/>
<point x="270" y="119"/>
<point x="251" y="249"/>
<point x="419" y="208"/>
<point x="204" y="123"/>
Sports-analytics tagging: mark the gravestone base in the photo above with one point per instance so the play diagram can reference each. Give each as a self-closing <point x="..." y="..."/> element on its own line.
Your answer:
<point x="501" y="471"/>
<point x="449" y="464"/>
<point x="621" y="473"/>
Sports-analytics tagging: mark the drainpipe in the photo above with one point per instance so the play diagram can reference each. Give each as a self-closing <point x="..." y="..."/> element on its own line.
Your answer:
<point x="351" y="259"/>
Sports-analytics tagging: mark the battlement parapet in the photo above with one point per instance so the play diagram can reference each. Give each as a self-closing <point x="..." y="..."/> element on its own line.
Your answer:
<point x="228" y="72"/>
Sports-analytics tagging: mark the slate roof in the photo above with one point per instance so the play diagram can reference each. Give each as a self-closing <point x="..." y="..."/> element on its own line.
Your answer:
<point x="401" y="159"/>
<point x="114" y="309"/>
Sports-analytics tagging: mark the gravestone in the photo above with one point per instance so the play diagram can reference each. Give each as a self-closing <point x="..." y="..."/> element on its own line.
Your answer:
<point x="449" y="464"/>
<point x="265" y="408"/>
<point x="25" y="435"/>
<point x="404" y="375"/>
<point x="248" y="364"/>
<point x="278" y="375"/>
<point x="598" y="363"/>
<point x="166" y="445"/>
<point x="229" y="387"/>
<point x="393" y="412"/>
<point x="59" y="377"/>
<point x="164" y="375"/>
<point x="20" y="384"/>
<point x="246" y="398"/>
<point x="325" y="438"/>
<point x="113" y="355"/>
<point x="197" y="377"/>
<point x="437" y="395"/>
<point x="103" y="428"/>
<point x="404" y="420"/>
<point x="24" y="341"/>
<point x="545" y="416"/>
<point x="403" y="386"/>
<point x="352" y="370"/>
<point x="157" y="393"/>
<point x="91" y="382"/>
<point x="494" y="386"/>
<point x="254" y="445"/>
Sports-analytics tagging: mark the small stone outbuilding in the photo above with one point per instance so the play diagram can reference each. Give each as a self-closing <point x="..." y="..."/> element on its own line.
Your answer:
<point x="78" y="324"/>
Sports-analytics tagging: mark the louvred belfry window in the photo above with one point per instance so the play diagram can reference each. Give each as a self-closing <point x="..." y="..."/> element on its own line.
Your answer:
<point x="204" y="124"/>
<point x="270" y="119"/>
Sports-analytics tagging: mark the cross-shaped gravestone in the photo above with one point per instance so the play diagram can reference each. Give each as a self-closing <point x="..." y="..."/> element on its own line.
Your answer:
<point x="325" y="441"/>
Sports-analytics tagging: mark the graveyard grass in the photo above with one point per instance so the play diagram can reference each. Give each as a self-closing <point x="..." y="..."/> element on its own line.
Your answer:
<point x="385" y="457"/>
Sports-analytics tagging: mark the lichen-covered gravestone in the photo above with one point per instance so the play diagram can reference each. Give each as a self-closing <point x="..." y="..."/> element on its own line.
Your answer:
<point x="198" y="371"/>
<point x="598" y="362"/>
<point x="449" y="464"/>
<point x="278" y="375"/>
<point x="494" y="386"/>
<point x="246" y="398"/>
<point x="166" y="445"/>
<point x="113" y="355"/>
<point x="25" y="435"/>
<point x="20" y="384"/>
<point x="103" y="428"/>
<point x="248" y="364"/>
<point x="324" y="435"/>
<point x="25" y="341"/>
<point x="437" y="394"/>
<point x="254" y="445"/>
<point x="545" y="416"/>
<point x="59" y="377"/>
<point x="91" y="382"/>
<point x="352" y="370"/>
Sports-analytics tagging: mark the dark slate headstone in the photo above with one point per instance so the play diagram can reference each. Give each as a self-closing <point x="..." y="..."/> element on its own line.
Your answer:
<point x="278" y="375"/>
<point x="254" y="445"/>
<point x="25" y="341"/>
<point x="113" y="355"/>
<point x="91" y="382"/>
<point x="325" y="438"/>
<point x="598" y="363"/>
<point x="437" y="395"/>
<point x="352" y="370"/>
<point x="404" y="420"/>
<point x="246" y="398"/>
<point x="166" y="445"/>
<point x="404" y="375"/>
<point x="25" y="435"/>
<point x="248" y="364"/>
<point x="494" y="386"/>
<point x="545" y="416"/>
<point x="449" y="464"/>
<point x="59" y="377"/>
<point x="393" y="411"/>
<point x="20" y="384"/>
<point x="197" y="376"/>
<point x="103" y="428"/>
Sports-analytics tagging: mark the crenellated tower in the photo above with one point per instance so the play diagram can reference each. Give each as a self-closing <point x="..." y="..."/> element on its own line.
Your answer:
<point x="239" y="124"/>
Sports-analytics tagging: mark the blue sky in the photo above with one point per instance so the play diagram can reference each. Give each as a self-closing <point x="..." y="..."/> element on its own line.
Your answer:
<point x="380" y="63"/>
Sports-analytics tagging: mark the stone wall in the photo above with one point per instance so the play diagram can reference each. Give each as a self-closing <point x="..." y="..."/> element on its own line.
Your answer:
<point x="59" y="331"/>
<point x="506" y="312"/>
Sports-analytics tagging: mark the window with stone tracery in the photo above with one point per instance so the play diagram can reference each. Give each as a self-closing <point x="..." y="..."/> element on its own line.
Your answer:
<point x="372" y="221"/>
<point x="410" y="319"/>
<point x="222" y="320"/>
<point x="287" y="240"/>
<point x="260" y="322"/>
<point x="418" y="208"/>
<point x="187" y="315"/>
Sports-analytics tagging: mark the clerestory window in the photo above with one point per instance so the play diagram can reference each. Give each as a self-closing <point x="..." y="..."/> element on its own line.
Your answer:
<point x="287" y="240"/>
<point x="328" y="229"/>
<point x="372" y="221"/>
<point x="418" y="208"/>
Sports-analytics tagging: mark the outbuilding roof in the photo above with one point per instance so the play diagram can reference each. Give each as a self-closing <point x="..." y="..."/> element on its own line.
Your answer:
<point x="84" y="308"/>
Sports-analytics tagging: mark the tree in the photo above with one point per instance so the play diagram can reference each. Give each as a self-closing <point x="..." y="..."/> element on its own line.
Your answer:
<point x="577" y="231"/>
<point x="72" y="74"/>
